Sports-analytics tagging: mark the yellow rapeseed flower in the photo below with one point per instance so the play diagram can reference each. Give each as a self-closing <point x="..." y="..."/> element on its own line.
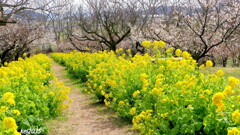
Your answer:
<point x="202" y="66"/>
<point x="159" y="44"/>
<point x="51" y="93"/>
<point x="106" y="96"/>
<point x="16" y="112"/>
<point x="10" y="123"/>
<point x="136" y="93"/>
<point x="3" y="109"/>
<point x="24" y="54"/>
<point x="95" y="86"/>
<point x="233" y="131"/>
<point x="107" y="103"/>
<point x="155" y="43"/>
<point x="16" y="133"/>
<point x="209" y="63"/>
<point x="146" y="43"/>
<point x="236" y="116"/>
<point x="156" y="91"/>
<point x="7" y="96"/>
<point x="169" y="50"/>
<point x="186" y="55"/>
<point x="162" y="44"/>
<point x="217" y="98"/>
<point x="164" y="100"/>
<point x="164" y="115"/>
<point x="5" y="64"/>
<point x="228" y="90"/>
<point x="103" y="93"/>
<point x="233" y="82"/>
<point x="143" y="76"/>
<point x="121" y="103"/>
<point x="178" y="52"/>
<point x="11" y="101"/>
<point x="133" y="111"/>
<point x="220" y="73"/>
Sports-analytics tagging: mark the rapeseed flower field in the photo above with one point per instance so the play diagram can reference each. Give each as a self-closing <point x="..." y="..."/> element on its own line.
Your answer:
<point x="159" y="92"/>
<point x="27" y="96"/>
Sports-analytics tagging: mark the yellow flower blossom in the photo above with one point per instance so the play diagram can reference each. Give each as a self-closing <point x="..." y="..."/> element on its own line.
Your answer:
<point x="233" y="131"/>
<point x="51" y="93"/>
<point x="106" y="96"/>
<point x="164" y="115"/>
<point x="236" y="116"/>
<point x="186" y="55"/>
<point x="107" y="103"/>
<point x="103" y="93"/>
<point x="178" y="52"/>
<point x="16" y="112"/>
<point x="220" y="73"/>
<point x="146" y="43"/>
<point x="209" y="63"/>
<point x="156" y="91"/>
<point x="3" y="109"/>
<point x="228" y="90"/>
<point x="159" y="44"/>
<point x="217" y="98"/>
<point x="11" y="101"/>
<point x="7" y="96"/>
<point x="169" y="50"/>
<point x="121" y="103"/>
<point x="202" y="66"/>
<point x="136" y="93"/>
<point x="16" y="133"/>
<point x="24" y="54"/>
<point x="9" y="123"/>
<point x="133" y="111"/>
<point x="164" y="100"/>
<point x="143" y="76"/>
<point x="162" y="44"/>
<point x="233" y="82"/>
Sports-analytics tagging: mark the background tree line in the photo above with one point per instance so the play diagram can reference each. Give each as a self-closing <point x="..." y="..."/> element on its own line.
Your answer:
<point x="208" y="29"/>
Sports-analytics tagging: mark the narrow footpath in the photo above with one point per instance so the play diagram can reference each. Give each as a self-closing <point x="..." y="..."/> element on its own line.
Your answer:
<point x="84" y="116"/>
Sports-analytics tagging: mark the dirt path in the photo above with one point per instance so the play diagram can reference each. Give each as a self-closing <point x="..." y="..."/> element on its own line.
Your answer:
<point x="84" y="117"/>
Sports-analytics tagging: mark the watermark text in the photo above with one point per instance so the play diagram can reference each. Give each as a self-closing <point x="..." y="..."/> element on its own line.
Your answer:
<point x="31" y="131"/>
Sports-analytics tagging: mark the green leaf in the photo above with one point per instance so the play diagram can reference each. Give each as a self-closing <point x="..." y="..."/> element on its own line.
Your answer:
<point x="198" y="125"/>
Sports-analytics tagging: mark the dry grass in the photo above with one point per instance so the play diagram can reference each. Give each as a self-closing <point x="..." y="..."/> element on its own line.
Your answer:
<point x="228" y="71"/>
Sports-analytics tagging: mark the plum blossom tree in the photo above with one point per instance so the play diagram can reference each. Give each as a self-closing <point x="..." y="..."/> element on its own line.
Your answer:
<point x="15" y="40"/>
<point x="197" y="26"/>
<point x="105" y="23"/>
<point x="19" y="28"/>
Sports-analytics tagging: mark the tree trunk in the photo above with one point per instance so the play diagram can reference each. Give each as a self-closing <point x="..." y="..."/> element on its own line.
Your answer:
<point x="234" y="61"/>
<point x="113" y="47"/>
<point x="238" y="61"/>
<point x="224" y="61"/>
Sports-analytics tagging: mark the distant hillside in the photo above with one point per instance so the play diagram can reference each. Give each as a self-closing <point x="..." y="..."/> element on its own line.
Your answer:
<point x="30" y="15"/>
